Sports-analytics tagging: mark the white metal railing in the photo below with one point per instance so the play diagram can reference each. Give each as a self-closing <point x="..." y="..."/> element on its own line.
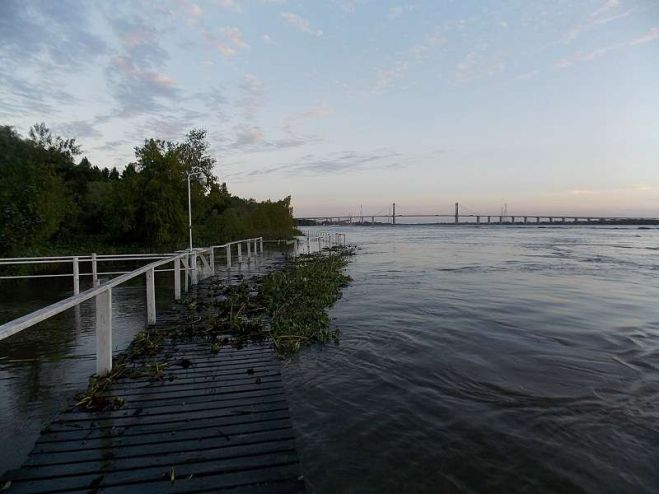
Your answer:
<point x="102" y="292"/>
<point x="323" y="240"/>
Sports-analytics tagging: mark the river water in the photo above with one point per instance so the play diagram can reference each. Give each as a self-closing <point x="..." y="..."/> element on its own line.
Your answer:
<point x="487" y="359"/>
<point x="494" y="359"/>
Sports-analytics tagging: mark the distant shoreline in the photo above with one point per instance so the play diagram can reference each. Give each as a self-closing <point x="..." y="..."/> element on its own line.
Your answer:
<point x="496" y="224"/>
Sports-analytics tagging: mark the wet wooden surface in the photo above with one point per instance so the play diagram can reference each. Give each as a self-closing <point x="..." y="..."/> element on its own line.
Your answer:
<point x="218" y="421"/>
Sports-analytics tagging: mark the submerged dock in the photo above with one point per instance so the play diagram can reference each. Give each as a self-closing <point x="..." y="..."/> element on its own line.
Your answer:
<point x="218" y="420"/>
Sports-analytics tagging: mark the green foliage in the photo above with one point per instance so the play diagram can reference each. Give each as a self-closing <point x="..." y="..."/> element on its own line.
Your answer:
<point x="47" y="199"/>
<point x="297" y="298"/>
<point x="32" y="196"/>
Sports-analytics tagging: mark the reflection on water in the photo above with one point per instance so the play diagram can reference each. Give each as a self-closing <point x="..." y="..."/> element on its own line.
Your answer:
<point x="41" y="368"/>
<point x="494" y="359"/>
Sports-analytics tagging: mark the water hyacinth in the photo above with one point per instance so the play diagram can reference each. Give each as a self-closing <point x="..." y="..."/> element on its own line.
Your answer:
<point x="297" y="297"/>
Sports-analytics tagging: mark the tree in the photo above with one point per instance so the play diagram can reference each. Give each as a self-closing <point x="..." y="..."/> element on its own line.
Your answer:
<point x="162" y="192"/>
<point x="195" y="156"/>
<point x="32" y="196"/>
<point x="46" y="198"/>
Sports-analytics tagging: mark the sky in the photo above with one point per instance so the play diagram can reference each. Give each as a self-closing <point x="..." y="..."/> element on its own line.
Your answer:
<point x="548" y="107"/>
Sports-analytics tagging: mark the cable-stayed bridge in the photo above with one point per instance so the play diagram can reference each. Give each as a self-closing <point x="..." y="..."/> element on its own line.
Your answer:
<point x="465" y="216"/>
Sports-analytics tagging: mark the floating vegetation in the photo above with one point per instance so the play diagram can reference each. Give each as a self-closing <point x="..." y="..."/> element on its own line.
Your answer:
<point x="289" y="305"/>
<point x="139" y="360"/>
<point x="297" y="298"/>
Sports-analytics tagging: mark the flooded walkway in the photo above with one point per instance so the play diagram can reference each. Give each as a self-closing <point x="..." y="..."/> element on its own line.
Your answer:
<point x="218" y="420"/>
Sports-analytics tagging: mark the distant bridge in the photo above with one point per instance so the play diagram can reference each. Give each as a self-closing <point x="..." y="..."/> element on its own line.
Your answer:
<point x="475" y="218"/>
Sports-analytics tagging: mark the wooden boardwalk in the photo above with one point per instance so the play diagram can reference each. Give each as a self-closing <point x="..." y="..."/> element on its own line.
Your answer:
<point x="221" y="424"/>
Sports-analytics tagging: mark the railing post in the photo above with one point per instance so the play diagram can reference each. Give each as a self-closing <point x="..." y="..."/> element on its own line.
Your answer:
<point x="228" y="256"/>
<point x="193" y="268"/>
<point x="177" y="278"/>
<point x="76" y="276"/>
<point x="185" y="260"/>
<point x="261" y="242"/>
<point x="104" y="332"/>
<point x="212" y="260"/>
<point x="94" y="270"/>
<point x="150" y="297"/>
<point x="249" y="250"/>
<point x="240" y="252"/>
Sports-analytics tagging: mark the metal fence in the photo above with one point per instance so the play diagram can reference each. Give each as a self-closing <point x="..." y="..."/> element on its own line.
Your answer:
<point x="194" y="265"/>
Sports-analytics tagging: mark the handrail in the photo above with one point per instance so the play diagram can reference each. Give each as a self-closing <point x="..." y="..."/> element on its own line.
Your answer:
<point x="325" y="240"/>
<point x="13" y="327"/>
<point x="102" y="292"/>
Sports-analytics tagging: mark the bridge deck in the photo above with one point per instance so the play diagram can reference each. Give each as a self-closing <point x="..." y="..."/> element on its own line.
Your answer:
<point x="222" y="422"/>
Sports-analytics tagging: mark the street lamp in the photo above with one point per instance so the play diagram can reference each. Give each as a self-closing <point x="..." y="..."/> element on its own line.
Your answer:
<point x="195" y="174"/>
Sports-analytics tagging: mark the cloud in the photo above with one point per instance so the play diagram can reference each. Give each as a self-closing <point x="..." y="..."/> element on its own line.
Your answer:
<point x="21" y="97"/>
<point x="168" y="125"/>
<point x="212" y="99"/>
<point x="651" y="35"/>
<point x="476" y="65"/>
<point x="397" y="11"/>
<point x="247" y="136"/>
<point x="138" y="90"/>
<point x="35" y="69"/>
<point x="528" y="75"/>
<point x="227" y="4"/>
<point x="347" y="161"/>
<point x="136" y="75"/>
<point x="27" y="34"/>
<point x="252" y="139"/>
<point x="433" y="40"/>
<point x="386" y="77"/>
<point x="78" y="129"/>
<point x="229" y="41"/>
<point x="113" y="145"/>
<point x="301" y="23"/>
<point x="234" y="36"/>
<point x="291" y="124"/>
<point x="194" y="10"/>
<point x="607" y="12"/>
<point x="350" y="6"/>
<point x="266" y="39"/>
<point x="609" y="191"/>
<point x="251" y="100"/>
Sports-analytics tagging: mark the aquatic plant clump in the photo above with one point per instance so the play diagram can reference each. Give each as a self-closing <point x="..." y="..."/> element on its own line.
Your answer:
<point x="297" y="298"/>
<point x="140" y="359"/>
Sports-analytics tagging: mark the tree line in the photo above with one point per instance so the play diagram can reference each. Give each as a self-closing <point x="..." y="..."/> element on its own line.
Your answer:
<point x="52" y="202"/>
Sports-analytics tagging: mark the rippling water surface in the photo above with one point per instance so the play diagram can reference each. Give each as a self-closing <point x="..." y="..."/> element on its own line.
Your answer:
<point x="492" y="359"/>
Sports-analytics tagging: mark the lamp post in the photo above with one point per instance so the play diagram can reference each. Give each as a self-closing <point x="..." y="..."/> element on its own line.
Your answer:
<point x="196" y="174"/>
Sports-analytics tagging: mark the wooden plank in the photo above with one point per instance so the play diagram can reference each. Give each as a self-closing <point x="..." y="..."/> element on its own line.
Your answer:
<point x="180" y="384"/>
<point x="240" y="406"/>
<point x="218" y="421"/>
<point x="92" y="431"/>
<point x="229" y="473"/>
<point x="200" y="431"/>
<point x="122" y="457"/>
